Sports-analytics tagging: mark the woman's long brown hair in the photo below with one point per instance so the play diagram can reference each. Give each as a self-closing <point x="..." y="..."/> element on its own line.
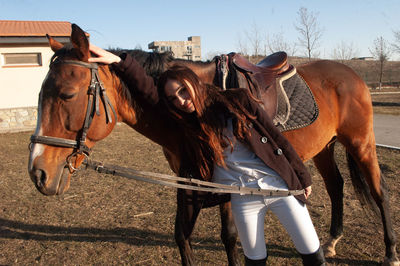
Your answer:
<point x="204" y="140"/>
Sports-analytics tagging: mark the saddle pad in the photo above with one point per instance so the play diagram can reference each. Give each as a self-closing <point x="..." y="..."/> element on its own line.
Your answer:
<point x="296" y="103"/>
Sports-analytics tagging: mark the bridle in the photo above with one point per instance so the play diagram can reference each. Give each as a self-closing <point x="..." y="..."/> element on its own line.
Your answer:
<point x="95" y="91"/>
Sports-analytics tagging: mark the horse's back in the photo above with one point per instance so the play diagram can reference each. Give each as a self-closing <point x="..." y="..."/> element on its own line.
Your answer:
<point x="340" y="93"/>
<point x="336" y="80"/>
<point x="328" y="74"/>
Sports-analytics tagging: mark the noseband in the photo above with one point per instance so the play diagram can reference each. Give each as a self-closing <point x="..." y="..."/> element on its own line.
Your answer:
<point x="95" y="91"/>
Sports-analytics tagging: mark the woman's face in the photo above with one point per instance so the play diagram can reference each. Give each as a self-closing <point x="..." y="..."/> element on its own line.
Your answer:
<point x="179" y="95"/>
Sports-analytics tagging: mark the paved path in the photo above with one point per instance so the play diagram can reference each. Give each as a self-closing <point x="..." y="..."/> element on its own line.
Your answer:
<point x="387" y="129"/>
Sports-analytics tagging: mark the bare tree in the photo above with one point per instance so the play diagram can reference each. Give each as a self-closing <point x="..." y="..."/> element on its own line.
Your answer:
<point x="381" y="52"/>
<point x="276" y="42"/>
<point x="255" y="38"/>
<point x="344" y="51"/>
<point x="211" y="54"/>
<point x="396" y="44"/>
<point x="310" y="32"/>
<point x="241" y="45"/>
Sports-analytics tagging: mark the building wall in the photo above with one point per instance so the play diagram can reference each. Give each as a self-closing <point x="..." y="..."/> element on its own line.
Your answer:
<point x="190" y="49"/>
<point x="20" y="85"/>
<point x="196" y="46"/>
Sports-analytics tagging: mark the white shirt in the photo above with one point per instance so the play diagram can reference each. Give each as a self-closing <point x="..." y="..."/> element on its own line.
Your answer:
<point x="244" y="168"/>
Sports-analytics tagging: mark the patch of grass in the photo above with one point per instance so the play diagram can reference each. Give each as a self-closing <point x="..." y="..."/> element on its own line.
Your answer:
<point x="387" y="110"/>
<point x="386" y="98"/>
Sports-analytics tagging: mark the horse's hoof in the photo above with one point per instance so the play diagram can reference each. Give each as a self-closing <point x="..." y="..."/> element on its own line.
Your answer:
<point x="329" y="252"/>
<point x="329" y="247"/>
<point x="391" y="262"/>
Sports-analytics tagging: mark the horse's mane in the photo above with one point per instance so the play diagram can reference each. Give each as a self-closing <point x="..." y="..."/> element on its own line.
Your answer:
<point x="65" y="50"/>
<point x="153" y="63"/>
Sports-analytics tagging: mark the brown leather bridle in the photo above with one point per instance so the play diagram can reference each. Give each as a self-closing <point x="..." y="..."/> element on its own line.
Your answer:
<point x="95" y="91"/>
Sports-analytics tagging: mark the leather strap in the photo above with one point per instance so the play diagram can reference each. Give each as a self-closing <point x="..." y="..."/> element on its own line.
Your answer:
<point x="96" y="91"/>
<point x="184" y="183"/>
<point x="77" y="63"/>
<point x="53" y="141"/>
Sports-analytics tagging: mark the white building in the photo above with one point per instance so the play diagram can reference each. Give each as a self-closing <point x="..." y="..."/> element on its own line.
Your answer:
<point x="189" y="50"/>
<point x="24" y="62"/>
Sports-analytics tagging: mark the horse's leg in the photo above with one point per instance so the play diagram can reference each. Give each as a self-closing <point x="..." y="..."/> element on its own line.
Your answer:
<point x="188" y="208"/>
<point x="229" y="233"/>
<point x="362" y="156"/>
<point x="325" y="163"/>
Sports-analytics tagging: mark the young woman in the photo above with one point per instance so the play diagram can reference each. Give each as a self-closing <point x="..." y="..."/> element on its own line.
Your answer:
<point x="229" y="139"/>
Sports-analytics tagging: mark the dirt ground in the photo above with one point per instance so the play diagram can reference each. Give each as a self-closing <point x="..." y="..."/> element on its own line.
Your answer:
<point x="105" y="220"/>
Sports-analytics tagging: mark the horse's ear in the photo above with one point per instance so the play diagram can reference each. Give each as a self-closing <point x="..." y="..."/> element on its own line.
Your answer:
<point x="80" y="43"/>
<point x="55" y="45"/>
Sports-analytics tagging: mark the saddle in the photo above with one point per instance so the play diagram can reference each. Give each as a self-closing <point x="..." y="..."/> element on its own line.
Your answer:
<point x="276" y="62"/>
<point x="260" y="79"/>
<point x="286" y="97"/>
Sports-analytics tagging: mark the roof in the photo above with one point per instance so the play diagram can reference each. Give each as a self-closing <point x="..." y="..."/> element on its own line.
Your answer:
<point x="19" y="28"/>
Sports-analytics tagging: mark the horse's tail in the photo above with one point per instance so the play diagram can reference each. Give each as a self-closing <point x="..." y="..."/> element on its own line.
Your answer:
<point x="361" y="187"/>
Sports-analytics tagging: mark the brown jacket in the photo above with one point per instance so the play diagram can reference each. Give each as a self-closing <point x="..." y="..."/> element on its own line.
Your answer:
<point x="266" y="141"/>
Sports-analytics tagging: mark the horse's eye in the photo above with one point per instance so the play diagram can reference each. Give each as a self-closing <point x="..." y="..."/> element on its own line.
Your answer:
<point x="67" y="96"/>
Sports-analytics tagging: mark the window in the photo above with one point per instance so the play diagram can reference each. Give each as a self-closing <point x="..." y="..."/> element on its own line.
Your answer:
<point x="165" y="48"/>
<point x="22" y="59"/>
<point x="189" y="49"/>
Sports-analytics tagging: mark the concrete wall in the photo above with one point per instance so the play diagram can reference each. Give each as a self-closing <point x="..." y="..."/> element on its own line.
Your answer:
<point x="18" y="119"/>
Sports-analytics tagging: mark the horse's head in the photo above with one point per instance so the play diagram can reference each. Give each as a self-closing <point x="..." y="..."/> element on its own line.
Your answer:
<point x="74" y="112"/>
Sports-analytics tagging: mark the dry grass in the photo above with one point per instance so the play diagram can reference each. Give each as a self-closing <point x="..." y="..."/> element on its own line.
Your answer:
<point x="107" y="220"/>
<point x="379" y="96"/>
<point x="387" y="110"/>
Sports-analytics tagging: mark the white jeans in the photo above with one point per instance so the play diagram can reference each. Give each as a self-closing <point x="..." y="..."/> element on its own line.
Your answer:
<point x="249" y="213"/>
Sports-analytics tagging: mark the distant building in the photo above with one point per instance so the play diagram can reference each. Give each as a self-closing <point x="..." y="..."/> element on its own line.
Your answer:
<point x="190" y="49"/>
<point x="365" y="58"/>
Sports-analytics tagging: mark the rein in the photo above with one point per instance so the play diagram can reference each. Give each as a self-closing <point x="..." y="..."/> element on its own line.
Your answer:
<point x="95" y="91"/>
<point x="184" y="183"/>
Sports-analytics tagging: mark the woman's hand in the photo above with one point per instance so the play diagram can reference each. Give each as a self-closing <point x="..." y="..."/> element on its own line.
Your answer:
<point x="307" y="191"/>
<point x="103" y="56"/>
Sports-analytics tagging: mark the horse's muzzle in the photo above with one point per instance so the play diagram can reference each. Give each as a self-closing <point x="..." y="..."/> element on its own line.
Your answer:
<point x="48" y="186"/>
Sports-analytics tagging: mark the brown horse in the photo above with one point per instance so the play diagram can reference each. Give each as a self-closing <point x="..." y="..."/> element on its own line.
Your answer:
<point x="66" y="131"/>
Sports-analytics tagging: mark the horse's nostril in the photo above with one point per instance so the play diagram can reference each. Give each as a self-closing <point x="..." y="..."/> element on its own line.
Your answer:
<point x="40" y="177"/>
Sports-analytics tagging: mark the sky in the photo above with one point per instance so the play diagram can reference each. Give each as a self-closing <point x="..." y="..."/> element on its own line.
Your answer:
<point x="219" y="23"/>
